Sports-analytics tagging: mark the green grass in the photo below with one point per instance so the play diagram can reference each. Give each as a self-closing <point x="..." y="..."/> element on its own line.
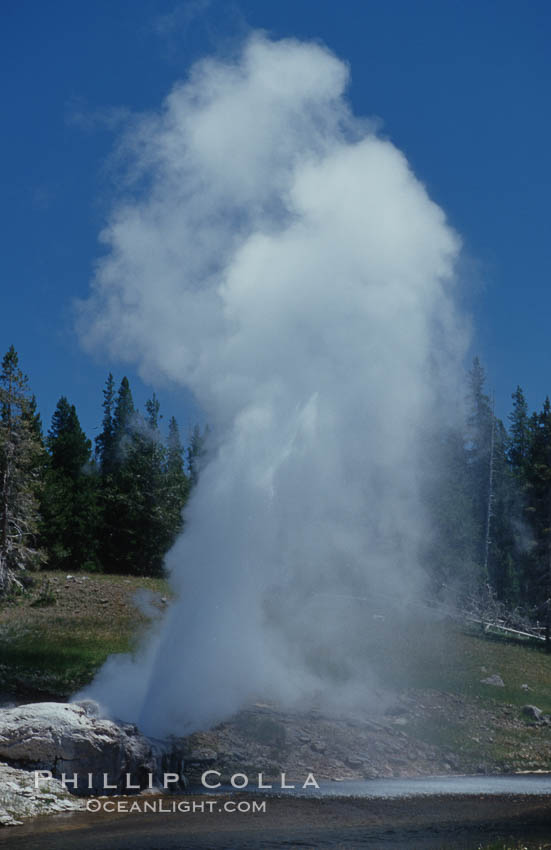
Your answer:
<point x="54" y="638"/>
<point x="440" y="665"/>
<point x="56" y="648"/>
<point x="50" y="661"/>
<point x="444" y="657"/>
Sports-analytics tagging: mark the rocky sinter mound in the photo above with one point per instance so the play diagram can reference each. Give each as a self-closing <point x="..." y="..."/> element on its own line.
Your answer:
<point x="265" y="739"/>
<point x="20" y="799"/>
<point x="72" y="739"/>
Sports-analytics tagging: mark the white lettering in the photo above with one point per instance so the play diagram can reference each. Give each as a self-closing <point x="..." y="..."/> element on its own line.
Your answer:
<point x="283" y="783"/>
<point x="204" y="782"/>
<point x="41" y="776"/>
<point x="261" y="782"/>
<point x="310" y="781"/>
<point x="73" y="781"/>
<point x="240" y="784"/>
<point x="129" y="784"/>
<point x="169" y="777"/>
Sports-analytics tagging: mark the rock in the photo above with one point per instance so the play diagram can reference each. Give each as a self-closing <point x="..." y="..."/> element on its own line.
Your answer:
<point x="90" y="706"/>
<point x="20" y="799"/>
<point x="202" y="757"/>
<point x="532" y="711"/>
<point x="526" y="687"/>
<point x="73" y="739"/>
<point x="353" y="762"/>
<point x="318" y="747"/>
<point x="494" y="680"/>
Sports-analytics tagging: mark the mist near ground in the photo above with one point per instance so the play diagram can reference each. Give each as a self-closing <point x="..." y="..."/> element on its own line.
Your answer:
<point x="276" y="254"/>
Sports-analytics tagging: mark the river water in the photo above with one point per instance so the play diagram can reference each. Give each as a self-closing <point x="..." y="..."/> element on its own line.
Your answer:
<point x="533" y="784"/>
<point x="455" y="813"/>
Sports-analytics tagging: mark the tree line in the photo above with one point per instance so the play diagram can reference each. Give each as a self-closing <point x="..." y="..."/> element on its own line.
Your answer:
<point x="118" y="506"/>
<point x="491" y="506"/>
<point x="66" y="504"/>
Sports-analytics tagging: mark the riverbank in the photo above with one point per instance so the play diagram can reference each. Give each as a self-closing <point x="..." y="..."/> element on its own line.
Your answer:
<point x="424" y="823"/>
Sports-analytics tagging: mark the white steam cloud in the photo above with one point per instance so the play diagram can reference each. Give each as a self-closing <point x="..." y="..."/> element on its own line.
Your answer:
<point x="278" y="257"/>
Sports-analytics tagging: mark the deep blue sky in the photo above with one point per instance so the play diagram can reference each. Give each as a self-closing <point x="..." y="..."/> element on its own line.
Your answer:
<point x="463" y="88"/>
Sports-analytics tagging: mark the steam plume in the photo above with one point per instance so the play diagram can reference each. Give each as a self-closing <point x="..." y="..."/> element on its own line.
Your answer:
<point x="276" y="255"/>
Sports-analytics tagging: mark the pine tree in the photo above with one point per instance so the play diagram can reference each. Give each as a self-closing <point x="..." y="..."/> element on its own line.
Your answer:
<point x="177" y="482"/>
<point x="116" y="544"/>
<point x="20" y="453"/>
<point x="123" y="420"/>
<point x="69" y="503"/>
<point x="105" y="442"/>
<point x="538" y="477"/>
<point x="145" y="466"/>
<point x="519" y="442"/>
<point x="518" y="453"/>
<point x="32" y="415"/>
<point x="502" y="561"/>
<point x="196" y="453"/>
<point x="135" y="535"/>
<point x="143" y="484"/>
<point x="480" y="423"/>
<point x="449" y="550"/>
<point x="70" y="449"/>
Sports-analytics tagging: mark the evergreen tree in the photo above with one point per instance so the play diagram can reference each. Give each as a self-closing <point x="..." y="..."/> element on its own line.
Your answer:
<point x="105" y="442"/>
<point x="139" y="523"/>
<point x="519" y="441"/>
<point x="123" y="421"/>
<point x="480" y="425"/>
<point x="69" y="447"/>
<point x="20" y="454"/>
<point x="143" y="483"/>
<point x="32" y="415"/>
<point x="117" y="525"/>
<point x="177" y="482"/>
<point x="493" y="494"/>
<point x="69" y="503"/>
<point x="146" y="489"/>
<point x="502" y="555"/>
<point x="518" y="457"/>
<point x="450" y="549"/>
<point x="538" y="491"/>
<point x="196" y="452"/>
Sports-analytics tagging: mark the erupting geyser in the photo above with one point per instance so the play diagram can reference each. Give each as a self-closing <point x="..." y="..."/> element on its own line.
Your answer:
<point x="275" y="255"/>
